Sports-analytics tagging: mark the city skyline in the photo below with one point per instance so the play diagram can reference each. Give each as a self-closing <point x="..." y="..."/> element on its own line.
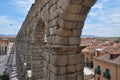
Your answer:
<point x="103" y="19"/>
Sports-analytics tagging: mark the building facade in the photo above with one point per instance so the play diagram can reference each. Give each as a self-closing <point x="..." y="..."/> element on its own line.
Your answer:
<point x="107" y="67"/>
<point x="4" y="44"/>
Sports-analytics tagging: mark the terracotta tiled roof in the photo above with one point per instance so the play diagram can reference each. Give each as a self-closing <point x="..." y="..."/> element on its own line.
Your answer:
<point x="106" y="58"/>
<point x="108" y="46"/>
<point x="6" y="37"/>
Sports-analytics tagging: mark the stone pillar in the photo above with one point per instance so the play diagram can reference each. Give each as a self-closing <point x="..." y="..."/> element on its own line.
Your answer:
<point x="28" y="59"/>
<point x="20" y="60"/>
<point x="24" y="72"/>
<point x="37" y="62"/>
<point x="63" y="63"/>
<point x="25" y="60"/>
<point x="5" y="49"/>
<point x="0" y="50"/>
<point x="19" y="63"/>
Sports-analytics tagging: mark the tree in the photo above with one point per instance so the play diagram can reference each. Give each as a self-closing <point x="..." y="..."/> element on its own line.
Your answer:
<point x="4" y="77"/>
<point x="117" y="41"/>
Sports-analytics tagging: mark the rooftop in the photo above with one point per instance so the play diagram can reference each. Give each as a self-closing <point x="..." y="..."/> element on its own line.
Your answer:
<point x="107" y="58"/>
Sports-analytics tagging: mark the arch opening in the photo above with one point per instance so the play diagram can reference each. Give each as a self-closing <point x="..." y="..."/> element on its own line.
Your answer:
<point x="39" y="36"/>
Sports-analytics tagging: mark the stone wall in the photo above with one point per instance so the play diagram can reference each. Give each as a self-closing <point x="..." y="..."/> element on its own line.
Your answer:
<point x="61" y="23"/>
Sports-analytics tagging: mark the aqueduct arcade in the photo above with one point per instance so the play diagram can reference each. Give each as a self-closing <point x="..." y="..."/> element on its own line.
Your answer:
<point x="48" y="43"/>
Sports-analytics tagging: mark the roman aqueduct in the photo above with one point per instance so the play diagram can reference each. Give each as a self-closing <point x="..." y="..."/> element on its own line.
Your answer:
<point x="48" y="43"/>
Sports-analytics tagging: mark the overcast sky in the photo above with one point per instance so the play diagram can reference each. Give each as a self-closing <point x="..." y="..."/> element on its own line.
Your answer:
<point x="103" y="19"/>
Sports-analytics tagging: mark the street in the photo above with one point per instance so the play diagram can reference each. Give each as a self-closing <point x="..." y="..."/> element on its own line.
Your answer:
<point x="3" y="62"/>
<point x="8" y="64"/>
<point x="12" y="70"/>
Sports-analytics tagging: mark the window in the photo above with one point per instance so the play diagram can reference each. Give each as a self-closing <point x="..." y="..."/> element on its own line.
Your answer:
<point x="106" y="74"/>
<point x="97" y="70"/>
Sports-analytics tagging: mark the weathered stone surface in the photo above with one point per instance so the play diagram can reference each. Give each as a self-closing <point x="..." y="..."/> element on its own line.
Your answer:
<point x="54" y="22"/>
<point x="80" y="58"/>
<point x="71" y="69"/>
<point x="74" y="41"/>
<point x="76" y="1"/>
<point x="84" y="10"/>
<point x="80" y="75"/>
<point x="88" y="2"/>
<point x="59" y="60"/>
<point x="67" y="24"/>
<point x="72" y="59"/>
<point x="57" y="70"/>
<point x="64" y="32"/>
<point x="79" y="67"/>
<point x="47" y="56"/>
<point x="71" y="76"/>
<point x="80" y="25"/>
<point x="61" y="40"/>
<point x="73" y="8"/>
<point x="76" y="33"/>
<point x="52" y="30"/>
<point x="74" y="17"/>
<point x="62" y="77"/>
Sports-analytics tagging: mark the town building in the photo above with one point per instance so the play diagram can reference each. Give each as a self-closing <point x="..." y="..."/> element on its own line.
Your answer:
<point x="4" y="44"/>
<point x="89" y="53"/>
<point x="107" y="67"/>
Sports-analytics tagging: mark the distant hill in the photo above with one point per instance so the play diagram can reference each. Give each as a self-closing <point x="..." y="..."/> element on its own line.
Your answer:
<point x="82" y="36"/>
<point x="7" y="35"/>
<point x="3" y="36"/>
<point x="89" y="36"/>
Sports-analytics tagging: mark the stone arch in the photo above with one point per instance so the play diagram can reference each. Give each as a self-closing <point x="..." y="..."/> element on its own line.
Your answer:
<point x="65" y="50"/>
<point x="72" y="20"/>
<point x="61" y="56"/>
<point x="39" y="32"/>
<point x="24" y="54"/>
<point x="37" y="55"/>
<point x="67" y="20"/>
<point x="28" y="52"/>
<point x="28" y="48"/>
<point x="21" y="55"/>
<point x="29" y="35"/>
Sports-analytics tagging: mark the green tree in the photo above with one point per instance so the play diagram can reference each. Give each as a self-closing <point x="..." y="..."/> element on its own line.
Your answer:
<point x="4" y="77"/>
<point x="117" y="41"/>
